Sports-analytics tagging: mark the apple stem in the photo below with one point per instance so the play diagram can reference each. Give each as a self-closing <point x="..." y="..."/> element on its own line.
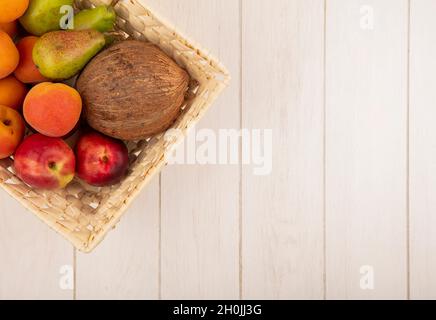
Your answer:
<point x="52" y="165"/>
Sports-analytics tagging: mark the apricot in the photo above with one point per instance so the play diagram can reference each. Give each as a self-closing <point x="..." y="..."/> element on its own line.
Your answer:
<point x="12" y="129"/>
<point x="52" y="109"/>
<point x="9" y="56"/>
<point x="27" y="71"/>
<point x="12" y="9"/>
<point x="11" y="28"/>
<point x="12" y="92"/>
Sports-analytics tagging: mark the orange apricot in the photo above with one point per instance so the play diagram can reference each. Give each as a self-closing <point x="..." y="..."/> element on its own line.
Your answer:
<point x="12" y="129"/>
<point x="11" y="28"/>
<point x="9" y="56"/>
<point x="52" y="109"/>
<point x="12" y="92"/>
<point x="27" y="71"/>
<point x="12" y="9"/>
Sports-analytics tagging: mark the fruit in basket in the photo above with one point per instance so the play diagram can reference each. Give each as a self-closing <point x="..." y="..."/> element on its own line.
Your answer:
<point x="52" y="109"/>
<point x="45" y="163"/>
<point x="9" y="56"/>
<point x="12" y="129"/>
<point x="101" y="160"/>
<point x="12" y="9"/>
<point x="12" y="92"/>
<point x="10" y="28"/>
<point x="27" y="72"/>
<point x="60" y="55"/>
<point x="101" y="18"/>
<point x="132" y="90"/>
<point x="43" y="16"/>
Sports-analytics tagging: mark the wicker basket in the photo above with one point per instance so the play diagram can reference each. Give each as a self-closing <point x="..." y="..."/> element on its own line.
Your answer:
<point x="85" y="214"/>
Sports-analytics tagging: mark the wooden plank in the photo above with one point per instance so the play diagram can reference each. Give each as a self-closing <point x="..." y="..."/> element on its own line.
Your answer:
<point x="283" y="90"/>
<point x="36" y="263"/>
<point x="126" y="264"/>
<point x="200" y="204"/>
<point x="366" y="150"/>
<point x="422" y="150"/>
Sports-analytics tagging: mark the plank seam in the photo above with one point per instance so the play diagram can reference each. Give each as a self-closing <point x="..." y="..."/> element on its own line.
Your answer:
<point x="325" y="154"/>
<point x="240" y="151"/>
<point x="74" y="273"/>
<point x="160" y="240"/>
<point x="408" y="153"/>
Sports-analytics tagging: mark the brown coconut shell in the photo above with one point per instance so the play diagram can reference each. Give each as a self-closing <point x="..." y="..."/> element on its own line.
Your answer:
<point x="132" y="90"/>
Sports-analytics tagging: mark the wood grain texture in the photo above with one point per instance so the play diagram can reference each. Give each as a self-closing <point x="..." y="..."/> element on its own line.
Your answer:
<point x="200" y="204"/>
<point x="340" y="168"/>
<point x="126" y="264"/>
<point x="366" y="149"/>
<point x="283" y="91"/>
<point x="422" y="150"/>
<point x="31" y="255"/>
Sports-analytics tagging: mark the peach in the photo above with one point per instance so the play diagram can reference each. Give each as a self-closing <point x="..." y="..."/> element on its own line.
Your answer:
<point x="52" y="109"/>
<point x="11" y="28"/>
<point x="45" y="163"/>
<point x="27" y="71"/>
<point x="101" y="160"/>
<point x="12" y="92"/>
<point x="12" y="9"/>
<point x="11" y="131"/>
<point x="9" y="56"/>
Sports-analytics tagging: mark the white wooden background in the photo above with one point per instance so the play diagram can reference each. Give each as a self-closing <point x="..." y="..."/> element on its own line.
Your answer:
<point x="353" y="114"/>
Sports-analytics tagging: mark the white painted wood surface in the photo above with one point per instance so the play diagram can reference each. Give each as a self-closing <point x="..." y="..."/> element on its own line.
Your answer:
<point x="283" y="90"/>
<point x="352" y="182"/>
<point x="366" y="148"/>
<point x="33" y="258"/>
<point x="423" y="150"/>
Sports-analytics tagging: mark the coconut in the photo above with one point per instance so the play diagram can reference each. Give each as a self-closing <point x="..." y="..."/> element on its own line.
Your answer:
<point x="132" y="90"/>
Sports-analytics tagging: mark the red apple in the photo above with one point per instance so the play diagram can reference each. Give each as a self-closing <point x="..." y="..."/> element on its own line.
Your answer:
<point x="101" y="161"/>
<point x="45" y="163"/>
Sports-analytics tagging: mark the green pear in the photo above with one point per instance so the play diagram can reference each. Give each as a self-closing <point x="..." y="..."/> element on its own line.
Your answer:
<point x="60" y="55"/>
<point x="101" y="18"/>
<point x="44" y="15"/>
